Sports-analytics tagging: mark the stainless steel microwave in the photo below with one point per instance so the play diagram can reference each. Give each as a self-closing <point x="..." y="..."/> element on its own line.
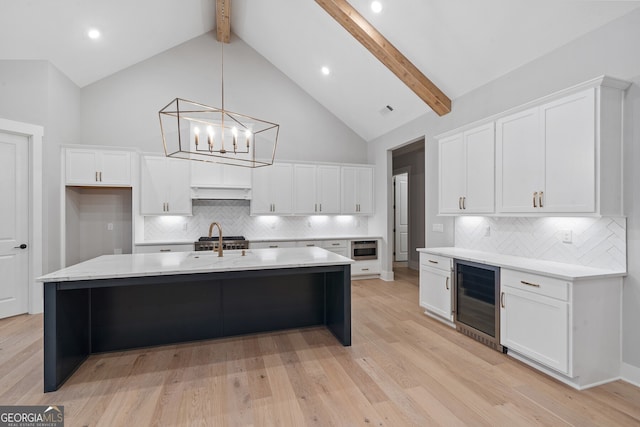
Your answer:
<point x="364" y="249"/>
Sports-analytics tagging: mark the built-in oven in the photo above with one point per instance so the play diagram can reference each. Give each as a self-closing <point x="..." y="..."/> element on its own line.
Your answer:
<point x="364" y="249"/>
<point x="476" y="307"/>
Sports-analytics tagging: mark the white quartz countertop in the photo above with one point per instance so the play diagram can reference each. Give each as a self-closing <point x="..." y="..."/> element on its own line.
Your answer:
<point x="535" y="266"/>
<point x="170" y="263"/>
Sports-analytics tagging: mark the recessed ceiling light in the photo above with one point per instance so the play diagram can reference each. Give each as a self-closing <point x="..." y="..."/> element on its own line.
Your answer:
<point x="93" y="34"/>
<point x="325" y="70"/>
<point x="376" y="6"/>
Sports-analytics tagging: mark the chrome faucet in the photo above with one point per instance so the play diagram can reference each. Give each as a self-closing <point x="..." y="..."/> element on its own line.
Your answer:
<point x="219" y="236"/>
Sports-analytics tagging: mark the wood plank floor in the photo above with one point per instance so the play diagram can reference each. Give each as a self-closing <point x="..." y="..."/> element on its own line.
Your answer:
<point x="403" y="369"/>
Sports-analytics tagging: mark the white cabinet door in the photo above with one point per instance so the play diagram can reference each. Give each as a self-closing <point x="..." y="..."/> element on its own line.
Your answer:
<point x="452" y="174"/>
<point x="178" y="193"/>
<point x="357" y="190"/>
<point x="328" y="189"/>
<point x="467" y="172"/>
<point x="97" y="168"/>
<point x="115" y="168"/>
<point x="304" y="189"/>
<point x="520" y="161"/>
<point x="536" y="326"/>
<point x="272" y="189"/>
<point x="236" y="176"/>
<point x="479" y="145"/>
<point x="205" y="174"/>
<point x="569" y="139"/>
<point x="164" y="186"/>
<point x="436" y="291"/>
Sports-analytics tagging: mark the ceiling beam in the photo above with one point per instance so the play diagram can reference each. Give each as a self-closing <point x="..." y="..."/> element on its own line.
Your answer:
<point x="223" y="20"/>
<point x="391" y="57"/>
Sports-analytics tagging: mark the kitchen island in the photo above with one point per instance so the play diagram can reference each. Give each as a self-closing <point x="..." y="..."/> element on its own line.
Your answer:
<point x="119" y="302"/>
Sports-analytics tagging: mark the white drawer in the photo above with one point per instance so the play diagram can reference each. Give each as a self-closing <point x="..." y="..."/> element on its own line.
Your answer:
<point x="308" y="243"/>
<point x="333" y="244"/>
<point x="278" y="244"/>
<point x="542" y="285"/>
<point x="436" y="261"/>
<point x="148" y="249"/>
<point x="362" y="268"/>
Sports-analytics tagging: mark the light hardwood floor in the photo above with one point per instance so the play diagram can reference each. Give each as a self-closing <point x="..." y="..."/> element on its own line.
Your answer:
<point x="403" y="369"/>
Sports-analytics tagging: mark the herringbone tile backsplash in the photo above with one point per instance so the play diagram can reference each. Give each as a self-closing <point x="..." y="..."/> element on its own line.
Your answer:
<point x="235" y="218"/>
<point x="596" y="242"/>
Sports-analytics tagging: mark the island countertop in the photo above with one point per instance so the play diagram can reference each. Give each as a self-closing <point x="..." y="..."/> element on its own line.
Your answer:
<point x="162" y="264"/>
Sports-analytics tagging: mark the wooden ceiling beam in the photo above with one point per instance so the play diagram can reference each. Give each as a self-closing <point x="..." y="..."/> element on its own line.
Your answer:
<point x="392" y="58"/>
<point x="223" y="21"/>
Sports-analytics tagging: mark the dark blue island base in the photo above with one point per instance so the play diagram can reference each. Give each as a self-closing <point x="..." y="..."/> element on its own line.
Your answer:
<point x="94" y="316"/>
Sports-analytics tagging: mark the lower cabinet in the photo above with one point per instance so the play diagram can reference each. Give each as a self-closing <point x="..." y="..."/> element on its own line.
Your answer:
<point x="436" y="285"/>
<point x="533" y="322"/>
<point x="167" y="247"/>
<point x="568" y="329"/>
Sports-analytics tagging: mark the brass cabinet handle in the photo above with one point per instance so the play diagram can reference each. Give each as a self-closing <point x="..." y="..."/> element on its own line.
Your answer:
<point x="273" y="246"/>
<point x="535" y="285"/>
<point x="315" y="208"/>
<point x="447" y="283"/>
<point x="502" y="299"/>
<point x="540" y="199"/>
<point x="464" y="202"/>
<point x="335" y="244"/>
<point x="365" y="269"/>
<point x="320" y="207"/>
<point x="100" y="176"/>
<point x="165" y="250"/>
<point x="96" y="176"/>
<point x="459" y="202"/>
<point x="535" y="194"/>
<point x="432" y="261"/>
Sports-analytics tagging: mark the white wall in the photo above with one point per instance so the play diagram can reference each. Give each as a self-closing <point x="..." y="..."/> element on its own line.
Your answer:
<point x="610" y="50"/>
<point x="38" y="93"/>
<point x="122" y="109"/>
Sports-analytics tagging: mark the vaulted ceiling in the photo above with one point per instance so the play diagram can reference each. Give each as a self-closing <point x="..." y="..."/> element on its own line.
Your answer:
<point x="459" y="44"/>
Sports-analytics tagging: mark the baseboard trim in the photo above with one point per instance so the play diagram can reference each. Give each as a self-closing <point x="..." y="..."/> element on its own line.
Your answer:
<point x="387" y="276"/>
<point x="630" y="374"/>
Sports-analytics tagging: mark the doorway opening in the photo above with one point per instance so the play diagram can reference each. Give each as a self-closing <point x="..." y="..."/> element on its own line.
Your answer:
<point x="408" y="163"/>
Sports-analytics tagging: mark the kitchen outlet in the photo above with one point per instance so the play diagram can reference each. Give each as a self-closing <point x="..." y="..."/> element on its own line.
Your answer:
<point x="567" y="236"/>
<point x="439" y="228"/>
<point x="110" y="226"/>
<point x="487" y="232"/>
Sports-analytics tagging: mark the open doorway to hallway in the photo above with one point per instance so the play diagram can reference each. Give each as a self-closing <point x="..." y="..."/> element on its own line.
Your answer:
<point x="409" y="214"/>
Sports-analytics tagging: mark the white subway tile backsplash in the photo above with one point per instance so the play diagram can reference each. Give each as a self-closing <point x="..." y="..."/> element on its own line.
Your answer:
<point x="596" y="242"/>
<point x="235" y="218"/>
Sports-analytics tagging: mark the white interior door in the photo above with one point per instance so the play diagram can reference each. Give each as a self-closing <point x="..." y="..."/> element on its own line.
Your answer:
<point x="402" y="217"/>
<point x="14" y="216"/>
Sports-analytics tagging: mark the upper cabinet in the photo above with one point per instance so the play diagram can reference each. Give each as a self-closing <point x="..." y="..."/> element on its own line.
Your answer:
<point x="90" y="167"/>
<point x="165" y="186"/>
<point x="558" y="155"/>
<point x="547" y="157"/>
<point x="467" y="172"/>
<point x="216" y="175"/>
<point x="272" y="190"/>
<point x="357" y="190"/>
<point x="316" y="189"/>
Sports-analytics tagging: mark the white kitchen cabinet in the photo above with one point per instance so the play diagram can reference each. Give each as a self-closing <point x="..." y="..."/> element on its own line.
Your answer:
<point x="568" y="329"/>
<point x="340" y="247"/>
<point x="357" y="190"/>
<point x="436" y="286"/>
<point x="164" y="247"/>
<point x="316" y="189"/>
<point x="216" y="175"/>
<point x="272" y="244"/>
<point x="98" y="167"/>
<point x="164" y="186"/>
<point x="467" y="182"/>
<point x="272" y="189"/>
<point x="534" y="323"/>
<point x="559" y="157"/>
<point x="365" y="269"/>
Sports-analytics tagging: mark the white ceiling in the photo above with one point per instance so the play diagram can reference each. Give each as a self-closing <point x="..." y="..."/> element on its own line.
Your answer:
<point x="459" y="44"/>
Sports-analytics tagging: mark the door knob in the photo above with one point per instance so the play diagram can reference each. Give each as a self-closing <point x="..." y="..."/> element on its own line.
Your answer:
<point x="22" y="246"/>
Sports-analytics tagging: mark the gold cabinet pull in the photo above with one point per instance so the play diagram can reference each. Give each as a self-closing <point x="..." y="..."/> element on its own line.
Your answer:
<point x="535" y="285"/>
<point x="464" y="202"/>
<point x="432" y="261"/>
<point x="447" y="283"/>
<point x="502" y="299"/>
<point x="535" y="194"/>
<point x="540" y="199"/>
<point x="459" y="202"/>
